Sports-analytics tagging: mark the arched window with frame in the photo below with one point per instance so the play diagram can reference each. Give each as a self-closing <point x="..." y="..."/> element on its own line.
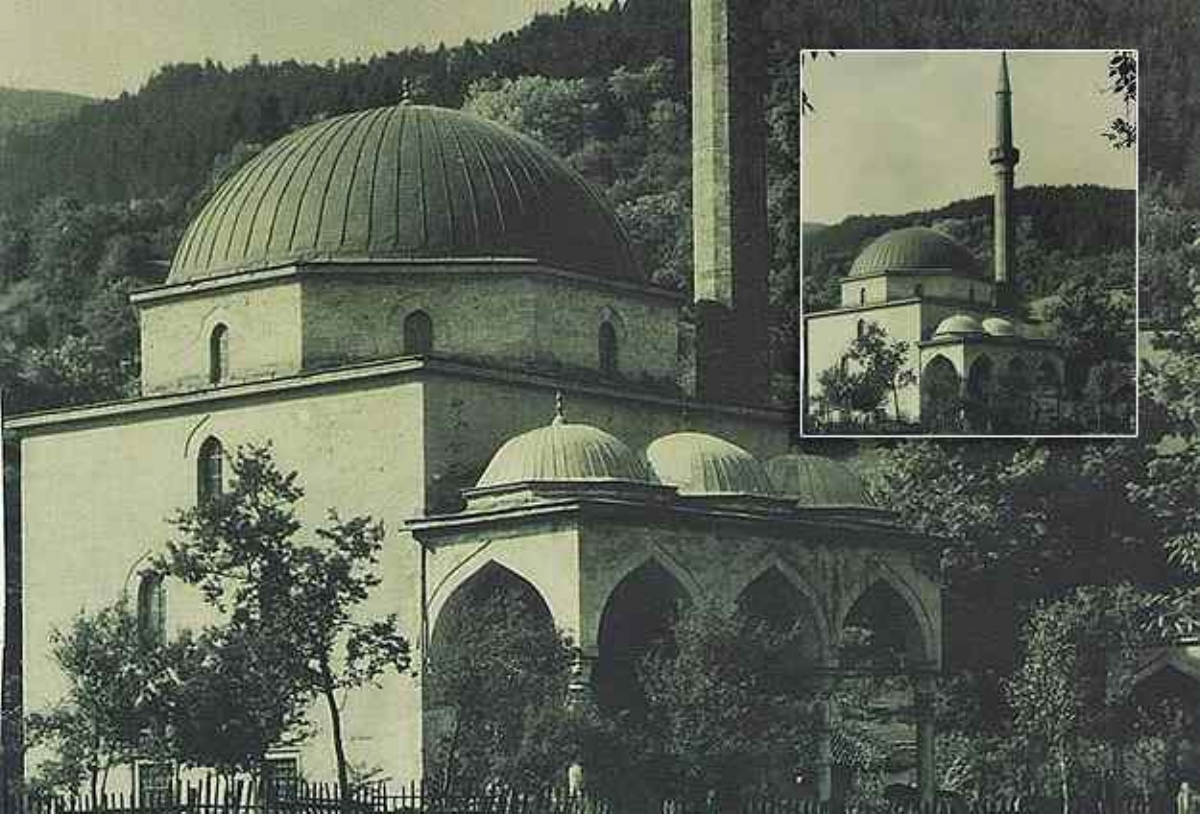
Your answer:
<point x="418" y="334"/>
<point x="218" y="354"/>
<point x="862" y="328"/>
<point x="607" y="348"/>
<point x="210" y="470"/>
<point x="862" y="296"/>
<point x="152" y="608"/>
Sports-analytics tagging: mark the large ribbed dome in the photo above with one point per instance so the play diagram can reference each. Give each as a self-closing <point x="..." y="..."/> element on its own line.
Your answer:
<point x="404" y="183"/>
<point x="915" y="249"/>
<point x="699" y="464"/>
<point x="563" y="452"/>
<point x="814" y="480"/>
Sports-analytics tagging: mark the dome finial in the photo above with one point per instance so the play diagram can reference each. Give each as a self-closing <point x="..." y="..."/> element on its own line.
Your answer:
<point x="559" y="417"/>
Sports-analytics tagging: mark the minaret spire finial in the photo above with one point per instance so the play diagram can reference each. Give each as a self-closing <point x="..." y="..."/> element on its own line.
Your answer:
<point x="559" y="417"/>
<point x="1003" y="85"/>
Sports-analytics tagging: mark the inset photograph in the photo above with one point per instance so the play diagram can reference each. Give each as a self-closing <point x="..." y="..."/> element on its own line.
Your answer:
<point x="969" y="243"/>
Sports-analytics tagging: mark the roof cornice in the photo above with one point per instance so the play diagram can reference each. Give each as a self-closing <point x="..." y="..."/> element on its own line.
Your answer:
<point x="920" y="272"/>
<point x="363" y="268"/>
<point x="364" y="374"/>
<point x="766" y="520"/>
<point x="989" y="339"/>
<point x="982" y="308"/>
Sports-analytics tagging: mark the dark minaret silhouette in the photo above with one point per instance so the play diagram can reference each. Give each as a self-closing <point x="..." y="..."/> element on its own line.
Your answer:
<point x="1003" y="158"/>
<point x="729" y="200"/>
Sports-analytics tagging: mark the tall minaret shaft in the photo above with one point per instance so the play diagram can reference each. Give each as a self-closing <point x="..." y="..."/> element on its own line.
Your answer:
<point x="729" y="199"/>
<point x="1003" y="158"/>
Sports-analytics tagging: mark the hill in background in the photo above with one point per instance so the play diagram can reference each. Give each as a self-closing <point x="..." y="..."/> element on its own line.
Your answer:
<point x="22" y="108"/>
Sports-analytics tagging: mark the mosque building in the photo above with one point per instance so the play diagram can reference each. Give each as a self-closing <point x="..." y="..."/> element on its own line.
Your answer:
<point x="965" y="332"/>
<point x="393" y="299"/>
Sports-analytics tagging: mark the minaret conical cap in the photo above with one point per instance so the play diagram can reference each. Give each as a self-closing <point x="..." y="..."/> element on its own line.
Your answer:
<point x="1002" y="84"/>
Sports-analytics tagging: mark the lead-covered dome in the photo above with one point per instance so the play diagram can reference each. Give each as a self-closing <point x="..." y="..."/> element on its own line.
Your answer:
<point x="700" y="464"/>
<point x="404" y="183"/>
<point x="999" y="326"/>
<point x="959" y="325"/>
<point x="817" y="481"/>
<point x="915" y="249"/>
<point x="563" y="452"/>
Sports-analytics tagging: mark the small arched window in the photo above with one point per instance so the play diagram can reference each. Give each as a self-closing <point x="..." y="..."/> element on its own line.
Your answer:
<point x="862" y="296"/>
<point x="152" y="609"/>
<point x="918" y="290"/>
<point x="418" y="334"/>
<point x="210" y="470"/>
<point x="607" y="344"/>
<point x="218" y="354"/>
<point x="862" y="327"/>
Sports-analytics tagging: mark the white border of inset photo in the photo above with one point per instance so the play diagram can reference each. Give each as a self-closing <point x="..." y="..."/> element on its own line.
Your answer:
<point x="1015" y="147"/>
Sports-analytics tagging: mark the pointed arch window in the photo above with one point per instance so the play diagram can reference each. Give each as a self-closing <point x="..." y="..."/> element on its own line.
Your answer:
<point x="862" y="327"/>
<point x="862" y="296"/>
<point x="152" y="609"/>
<point x="418" y="334"/>
<point x="210" y="470"/>
<point x="607" y="346"/>
<point x="218" y="354"/>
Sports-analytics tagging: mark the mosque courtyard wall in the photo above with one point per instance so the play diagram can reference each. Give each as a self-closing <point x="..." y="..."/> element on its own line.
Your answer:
<point x="96" y="496"/>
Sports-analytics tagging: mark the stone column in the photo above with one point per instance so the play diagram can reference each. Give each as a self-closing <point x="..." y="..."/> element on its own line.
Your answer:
<point x="923" y="706"/>
<point x="579" y="696"/>
<point x="825" y="713"/>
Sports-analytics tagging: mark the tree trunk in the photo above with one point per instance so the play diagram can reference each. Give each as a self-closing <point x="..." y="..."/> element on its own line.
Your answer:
<point x="335" y="727"/>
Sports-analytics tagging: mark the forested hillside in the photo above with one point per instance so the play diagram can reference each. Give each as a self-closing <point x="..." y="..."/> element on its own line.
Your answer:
<point x="1062" y="232"/>
<point x="23" y="108"/>
<point x="91" y="205"/>
<point x="163" y="139"/>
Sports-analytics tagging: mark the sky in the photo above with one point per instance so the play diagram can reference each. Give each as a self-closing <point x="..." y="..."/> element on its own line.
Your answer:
<point x="102" y="47"/>
<point x="897" y="132"/>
